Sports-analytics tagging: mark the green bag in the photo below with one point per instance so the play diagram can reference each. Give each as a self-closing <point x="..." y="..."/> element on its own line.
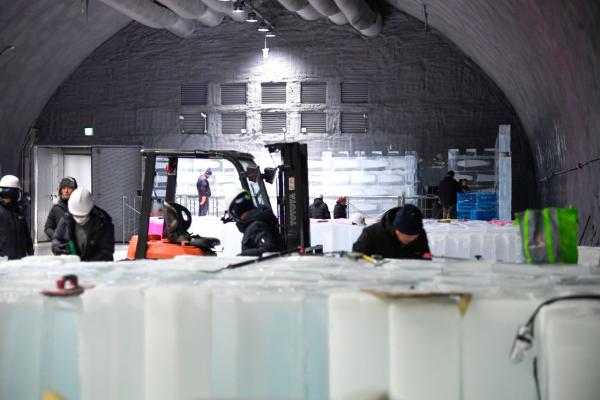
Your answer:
<point x="549" y="236"/>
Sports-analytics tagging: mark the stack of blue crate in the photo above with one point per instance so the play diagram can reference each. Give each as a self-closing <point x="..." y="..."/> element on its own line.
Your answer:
<point x="480" y="206"/>
<point x="466" y="202"/>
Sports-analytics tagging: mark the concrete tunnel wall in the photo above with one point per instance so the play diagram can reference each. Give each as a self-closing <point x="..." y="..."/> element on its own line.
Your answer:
<point x="424" y="95"/>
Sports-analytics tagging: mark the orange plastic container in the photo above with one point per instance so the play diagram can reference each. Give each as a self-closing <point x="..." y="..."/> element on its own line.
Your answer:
<point x="162" y="249"/>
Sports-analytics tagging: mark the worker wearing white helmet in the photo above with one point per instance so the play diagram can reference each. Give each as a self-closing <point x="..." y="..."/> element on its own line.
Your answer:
<point x="258" y="224"/>
<point x="15" y="238"/>
<point x="86" y="230"/>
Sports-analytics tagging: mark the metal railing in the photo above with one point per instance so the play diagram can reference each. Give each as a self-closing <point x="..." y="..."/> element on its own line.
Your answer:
<point x="426" y="203"/>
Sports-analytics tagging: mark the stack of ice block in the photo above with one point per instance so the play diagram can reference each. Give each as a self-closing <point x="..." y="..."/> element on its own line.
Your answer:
<point x="464" y="239"/>
<point x="296" y="327"/>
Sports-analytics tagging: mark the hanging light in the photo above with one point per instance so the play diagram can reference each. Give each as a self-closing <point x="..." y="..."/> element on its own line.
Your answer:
<point x="251" y="17"/>
<point x="270" y="34"/>
<point x="263" y="27"/>
<point x="238" y="6"/>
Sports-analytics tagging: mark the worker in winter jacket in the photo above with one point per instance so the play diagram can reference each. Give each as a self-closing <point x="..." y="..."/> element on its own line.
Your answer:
<point x="15" y="237"/>
<point x="399" y="234"/>
<point x="65" y="188"/>
<point x="318" y="209"/>
<point x="340" y="210"/>
<point x="86" y="230"/>
<point x="257" y="224"/>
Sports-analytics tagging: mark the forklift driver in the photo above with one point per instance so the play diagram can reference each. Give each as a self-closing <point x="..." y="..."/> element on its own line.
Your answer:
<point x="257" y="224"/>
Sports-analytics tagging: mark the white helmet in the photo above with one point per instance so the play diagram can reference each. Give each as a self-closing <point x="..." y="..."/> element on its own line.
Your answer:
<point x="234" y="199"/>
<point x="10" y="181"/>
<point x="357" y="219"/>
<point x="81" y="202"/>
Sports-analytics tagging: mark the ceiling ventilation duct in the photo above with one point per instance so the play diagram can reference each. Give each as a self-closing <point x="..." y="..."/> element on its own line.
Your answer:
<point x="329" y="10"/>
<point x="154" y="16"/>
<point x="361" y="16"/>
<point x="226" y="7"/>
<point x="302" y="8"/>
<point x="194" y="9"/>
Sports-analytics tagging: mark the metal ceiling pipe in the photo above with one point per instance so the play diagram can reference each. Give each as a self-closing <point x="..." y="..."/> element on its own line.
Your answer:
<point x="226" y="7"/>
<point x="329" y="10"/>
<point x="194" y="9"/>
<point x="367" y="21"/>
<point x="302" y="8"/>
<point x="147" y="13"/>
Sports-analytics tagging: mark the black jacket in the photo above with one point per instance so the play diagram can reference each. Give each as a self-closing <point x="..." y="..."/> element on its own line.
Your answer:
<point x="15" y="238"/>
<point x="340" y="210"/>
<point x="380" y="239"/>
<point x="319" y="210"/>
<point x="55" y="214"/>
<point x="448" y="189"/>
<point x="261" y="233"/>
<point x="100" y="237"/>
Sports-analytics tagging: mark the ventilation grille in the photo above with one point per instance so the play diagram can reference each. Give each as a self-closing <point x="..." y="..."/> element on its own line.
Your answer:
<point x="233" y="93"/>
<point x="194" y="94"/>
<point x="193" y="123"/>
<point x="233" y="123"/>
<point x="355" y="122"/>
<point x="273" y="122"/>
<point x="314" y="122"/>
<point x="313" y="92"/>
<point x="355" y="92"/>
<point x="273" y="93"/>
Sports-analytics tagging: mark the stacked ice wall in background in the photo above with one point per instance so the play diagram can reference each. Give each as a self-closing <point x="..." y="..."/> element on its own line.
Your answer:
<point x="373" y="182"/>
<point x="477" y="166"/>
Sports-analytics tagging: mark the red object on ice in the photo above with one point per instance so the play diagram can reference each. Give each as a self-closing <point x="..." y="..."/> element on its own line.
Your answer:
<point x="66" y="286"/>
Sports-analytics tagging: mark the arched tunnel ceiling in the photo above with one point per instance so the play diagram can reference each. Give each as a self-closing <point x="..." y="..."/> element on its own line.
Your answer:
<point x="543" y="55"/>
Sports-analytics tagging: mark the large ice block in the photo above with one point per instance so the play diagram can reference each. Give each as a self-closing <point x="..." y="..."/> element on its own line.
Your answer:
<point x="178" y="342"/>
<point x="20" y="348"/>
<point x="358" y="346"/>
<point x="568" y="336"/>
<point x="489" y="327"/>
<point x="269" y="344"/>
<point x="424" y="349"/>
<point x="111" y="344"/>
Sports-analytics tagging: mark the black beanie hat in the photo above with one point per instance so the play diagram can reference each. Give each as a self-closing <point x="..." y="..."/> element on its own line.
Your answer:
<point x="67" y="181"/>
<point x="409" y="220"/>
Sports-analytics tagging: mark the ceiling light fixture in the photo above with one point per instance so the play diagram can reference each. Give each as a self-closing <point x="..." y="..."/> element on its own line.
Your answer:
<point x="263" y="27"/>
<point x="270" y="34"/>
<point x="251" y="17"/>
<point x="238" y="6"/>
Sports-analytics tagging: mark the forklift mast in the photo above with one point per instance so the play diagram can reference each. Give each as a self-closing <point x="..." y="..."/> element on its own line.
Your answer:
<point x="292" y="194"/>
<point x="248" y="171"/>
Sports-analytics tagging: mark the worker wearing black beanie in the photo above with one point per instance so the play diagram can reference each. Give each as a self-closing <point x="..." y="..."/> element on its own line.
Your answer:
<point x="399" y="234"/>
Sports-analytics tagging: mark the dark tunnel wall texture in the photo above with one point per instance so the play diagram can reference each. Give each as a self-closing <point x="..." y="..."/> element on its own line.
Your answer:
<point x="424" y="94"/>
<point x="544" y="55"/>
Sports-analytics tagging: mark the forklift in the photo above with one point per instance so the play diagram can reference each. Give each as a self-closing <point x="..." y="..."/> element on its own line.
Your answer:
<point x="292" y="199"/>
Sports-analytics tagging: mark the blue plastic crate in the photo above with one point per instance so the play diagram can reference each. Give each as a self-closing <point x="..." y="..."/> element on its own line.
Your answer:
<point x="466" y="197"/>
<point x="485" y="206"/>
<point x="482" y="215"/>
<point x="463" y="214"/>
<point x="466" y="206"/>
<point x="486" y="197"/>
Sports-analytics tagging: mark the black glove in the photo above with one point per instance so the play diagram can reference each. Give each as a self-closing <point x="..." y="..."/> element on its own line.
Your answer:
<point x="61" y="248"/>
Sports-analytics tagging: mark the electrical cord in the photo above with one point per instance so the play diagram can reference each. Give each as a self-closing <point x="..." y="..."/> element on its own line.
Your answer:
<point x="566" y="171"/>
<point x="525" y="334"/>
